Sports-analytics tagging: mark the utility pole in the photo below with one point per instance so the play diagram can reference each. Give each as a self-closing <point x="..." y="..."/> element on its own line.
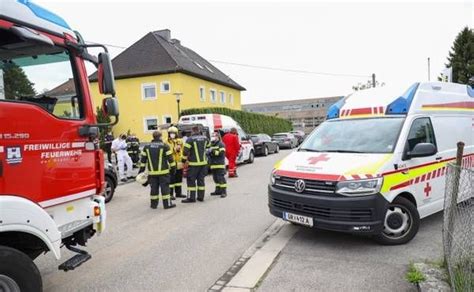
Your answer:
<point x="429" y="70"/>
<point x="373" y="80"/>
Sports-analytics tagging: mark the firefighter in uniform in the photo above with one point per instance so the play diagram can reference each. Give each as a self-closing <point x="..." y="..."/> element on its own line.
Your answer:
<point x="176" y="145"/>
<point x="217" y="164"/>
<point x="158" y="159"/>
<point x="133" y="149"/>
<point x="195" y="150"/>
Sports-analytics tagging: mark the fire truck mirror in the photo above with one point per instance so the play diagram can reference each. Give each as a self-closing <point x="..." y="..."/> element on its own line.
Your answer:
<point x="106" y="74"/>
<point x="110" y="106"/>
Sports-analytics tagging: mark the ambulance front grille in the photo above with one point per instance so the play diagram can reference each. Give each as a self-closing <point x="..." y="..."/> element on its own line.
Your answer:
<point x="313" y="187"/>
<point x="356" y="215"/>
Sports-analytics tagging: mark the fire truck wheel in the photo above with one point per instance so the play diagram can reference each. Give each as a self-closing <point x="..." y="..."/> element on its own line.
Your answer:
<point x="18" y="272"/>
<point x="401" y="223"/>
<point x="109" y="189"/>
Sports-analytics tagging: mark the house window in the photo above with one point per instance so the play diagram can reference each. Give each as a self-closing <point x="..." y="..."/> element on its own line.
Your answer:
<point x="167" y="119"/>
<point x="209" y="69"/>
<point x="222" y="96"/>
<point x="199" y="65"/>
<point x="165" y="87"/>
<point x="202" y="93"/>
<point x="231" y="98"/>
<point x="213" y="95"/>
<point x="148" y="91"/>
<point x="150" y="124"/>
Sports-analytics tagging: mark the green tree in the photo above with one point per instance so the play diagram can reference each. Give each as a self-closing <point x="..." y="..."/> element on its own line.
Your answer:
<point x="102" y="118"/>
<point x="461" y="57"/>
<point x="367" y="85"/>
<point x="16" y="82"/>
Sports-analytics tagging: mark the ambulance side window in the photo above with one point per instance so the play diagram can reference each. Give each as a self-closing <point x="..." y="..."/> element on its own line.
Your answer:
<point x="421" y="132"/>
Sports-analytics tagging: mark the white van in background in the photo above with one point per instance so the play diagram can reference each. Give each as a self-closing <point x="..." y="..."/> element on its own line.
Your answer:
<point x="223" y="124"/>
<point x="378" y="164"/>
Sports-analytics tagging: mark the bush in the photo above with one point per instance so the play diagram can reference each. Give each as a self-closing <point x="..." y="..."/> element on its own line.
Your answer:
<point x="250" y="122"/>
<point x="102" y="118"/>
<point x="413" y="275"/>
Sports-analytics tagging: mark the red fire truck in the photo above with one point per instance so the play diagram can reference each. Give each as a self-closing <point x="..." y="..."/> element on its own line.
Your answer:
<point x="51" y="168"/>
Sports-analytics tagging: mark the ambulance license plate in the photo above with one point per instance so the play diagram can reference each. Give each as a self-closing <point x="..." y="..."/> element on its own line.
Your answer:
<point x="300" y="219"/>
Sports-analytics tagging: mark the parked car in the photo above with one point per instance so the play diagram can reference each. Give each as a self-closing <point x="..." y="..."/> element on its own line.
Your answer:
<point x="300" y="135"/>
<point x="263" y="144"/>
<point x="285" y="140"/>
<point x="111" y="181"/>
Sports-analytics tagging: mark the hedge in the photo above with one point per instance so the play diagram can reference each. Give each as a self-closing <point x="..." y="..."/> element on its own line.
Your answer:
<point x="250" y="122"/>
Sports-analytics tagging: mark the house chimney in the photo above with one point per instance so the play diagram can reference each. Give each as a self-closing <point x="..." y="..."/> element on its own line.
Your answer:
<point x="164" y="33"/>
<point x="176" y="41"/>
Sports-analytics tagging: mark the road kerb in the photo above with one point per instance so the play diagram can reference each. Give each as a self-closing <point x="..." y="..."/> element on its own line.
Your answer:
<point x="257" y="265"/>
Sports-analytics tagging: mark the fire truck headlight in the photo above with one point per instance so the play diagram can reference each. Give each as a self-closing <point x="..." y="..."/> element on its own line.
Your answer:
<point x="355" y="188"/>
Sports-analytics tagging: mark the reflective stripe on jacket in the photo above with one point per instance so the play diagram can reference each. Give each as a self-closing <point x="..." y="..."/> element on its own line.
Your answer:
<point x="157" y="158"/>
<point x="195" y="150"/>
<point x="176" y="146"/>
<point x="217" y="155"/>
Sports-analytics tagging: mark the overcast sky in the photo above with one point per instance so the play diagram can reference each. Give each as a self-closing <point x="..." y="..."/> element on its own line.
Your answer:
<point x="392" y="40"/>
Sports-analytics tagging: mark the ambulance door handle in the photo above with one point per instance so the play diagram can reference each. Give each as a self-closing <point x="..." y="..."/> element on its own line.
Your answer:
<point x="439" y="158"/>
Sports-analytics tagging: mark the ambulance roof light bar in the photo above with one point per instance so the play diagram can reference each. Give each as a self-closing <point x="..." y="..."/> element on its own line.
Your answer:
<point x="401" y="105"/>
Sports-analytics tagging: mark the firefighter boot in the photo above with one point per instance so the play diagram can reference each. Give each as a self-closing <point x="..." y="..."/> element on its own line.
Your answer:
<point x="153" y="204"/>
<point x="178" y="192"/>
<point x="216" y="193"/>
<point x="224" y="194"/>
<point x="167" y="204"/>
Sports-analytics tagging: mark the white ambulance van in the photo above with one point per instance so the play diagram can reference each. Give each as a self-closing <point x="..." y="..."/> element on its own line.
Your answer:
<point x="223" y="124"/>
<point x="378" y="164"/>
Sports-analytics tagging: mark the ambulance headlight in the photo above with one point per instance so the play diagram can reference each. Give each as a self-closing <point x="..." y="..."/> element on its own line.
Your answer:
<point x="359" y="187"/>
<point x="273" y="178"/>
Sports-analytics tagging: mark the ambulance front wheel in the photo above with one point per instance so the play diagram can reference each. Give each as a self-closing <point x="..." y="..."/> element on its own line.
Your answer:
<point x="401" y="223"/>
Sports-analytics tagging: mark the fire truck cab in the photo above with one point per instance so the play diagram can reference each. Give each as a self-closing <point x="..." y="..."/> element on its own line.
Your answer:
<point x="51" y="168"/>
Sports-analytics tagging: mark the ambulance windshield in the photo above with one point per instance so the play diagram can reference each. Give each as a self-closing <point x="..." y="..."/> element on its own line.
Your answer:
<point x="355" y="136"/>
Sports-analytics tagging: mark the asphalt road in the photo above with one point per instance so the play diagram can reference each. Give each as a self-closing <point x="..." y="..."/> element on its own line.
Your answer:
<point x="330" y="261"/>
<point x="185" y="248"/>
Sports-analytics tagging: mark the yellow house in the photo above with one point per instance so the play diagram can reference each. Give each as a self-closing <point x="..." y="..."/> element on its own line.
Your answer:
<point x="152" y="73"/>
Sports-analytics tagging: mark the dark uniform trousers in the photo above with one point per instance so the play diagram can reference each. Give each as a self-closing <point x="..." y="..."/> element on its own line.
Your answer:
<point x="195" y="181"/>
<point x="157" y="183"/>
<point x="217" y="161"/>
<point x="218" y="175"/>
<point x="177" y="183"/>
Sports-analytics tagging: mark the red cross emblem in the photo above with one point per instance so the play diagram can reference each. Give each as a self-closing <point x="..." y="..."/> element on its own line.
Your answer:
<point x="427" y="189"/>
<point x="316" y="159"/>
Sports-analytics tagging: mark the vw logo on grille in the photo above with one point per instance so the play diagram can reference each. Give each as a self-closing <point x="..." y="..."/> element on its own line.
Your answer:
<point x="300" y="186"/>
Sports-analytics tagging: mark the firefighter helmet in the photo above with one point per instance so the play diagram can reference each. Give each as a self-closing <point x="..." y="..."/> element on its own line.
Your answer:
<point x="142" y="178"/>
<point x="173" y="129"/>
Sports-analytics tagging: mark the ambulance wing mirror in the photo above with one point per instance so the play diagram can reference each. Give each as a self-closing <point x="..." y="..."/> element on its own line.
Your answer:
<point x="422" y="150"/>
<point x="105" y="74"/>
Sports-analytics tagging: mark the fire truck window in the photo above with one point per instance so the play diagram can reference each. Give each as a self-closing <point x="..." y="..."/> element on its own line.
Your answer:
<point x="40" y="75"/>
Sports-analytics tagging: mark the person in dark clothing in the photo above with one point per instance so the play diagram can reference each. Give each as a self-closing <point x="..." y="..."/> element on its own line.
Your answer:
<point x="158" y="159"/>
<point x="108" y="139"/>
<point x="133" y="149"/>
<point x="217" y="164"/>
<point x="195" y="149"/>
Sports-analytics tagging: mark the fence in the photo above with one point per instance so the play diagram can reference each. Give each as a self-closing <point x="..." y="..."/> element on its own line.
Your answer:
<point x="458" y="229"/>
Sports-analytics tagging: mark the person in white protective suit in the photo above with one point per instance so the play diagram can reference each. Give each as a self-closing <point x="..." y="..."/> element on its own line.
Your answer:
<point x="119" y="146"/>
